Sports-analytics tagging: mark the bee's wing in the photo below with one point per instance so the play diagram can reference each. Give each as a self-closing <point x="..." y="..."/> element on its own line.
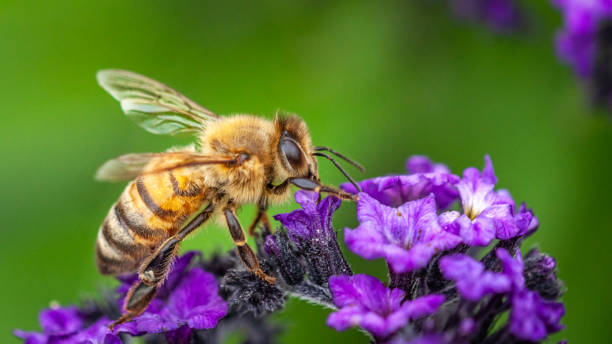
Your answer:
<point x="153" y="105"/>
<point x="129" y="166"/>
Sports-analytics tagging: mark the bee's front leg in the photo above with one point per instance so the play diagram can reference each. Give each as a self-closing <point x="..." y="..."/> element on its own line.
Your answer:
<point x="309" y="184"/>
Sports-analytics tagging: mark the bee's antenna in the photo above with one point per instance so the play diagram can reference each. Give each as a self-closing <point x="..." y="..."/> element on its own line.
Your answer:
<point x="339" y="168"/>
<point x="341" y="156"/>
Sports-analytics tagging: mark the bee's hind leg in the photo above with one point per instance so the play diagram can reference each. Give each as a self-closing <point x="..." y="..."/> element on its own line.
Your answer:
<point x="136" y="301"/>
<point x="246" y="254"/>
<point x="153" y="271"/>
<point x="155" y="268"/>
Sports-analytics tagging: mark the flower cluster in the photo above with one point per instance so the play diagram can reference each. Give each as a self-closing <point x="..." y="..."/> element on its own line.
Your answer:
<point x="531" y="316"/>
<point x="500" y="15"/>
<point x="188" y="308"/>
<point x="430" y="252"/>
<point x="452" y="248"/>
<point x="583" y="43"/>
<point x="187" y="301"/>
<point x="69" y="325"/>
<point x="577" y="41"/>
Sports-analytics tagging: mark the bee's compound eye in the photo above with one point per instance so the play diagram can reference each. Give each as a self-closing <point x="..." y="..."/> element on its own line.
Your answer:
<point x="291" y="151"/>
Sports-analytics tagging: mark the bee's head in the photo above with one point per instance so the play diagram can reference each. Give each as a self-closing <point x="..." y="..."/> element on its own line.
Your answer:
<point x="294" y="149"/>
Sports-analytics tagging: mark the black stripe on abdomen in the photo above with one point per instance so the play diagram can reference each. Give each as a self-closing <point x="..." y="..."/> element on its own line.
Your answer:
<point x="108" y="265"/>
<point x="127" y="248"/>
<point x="139" y="229"/>
<point x="150" y="202"/>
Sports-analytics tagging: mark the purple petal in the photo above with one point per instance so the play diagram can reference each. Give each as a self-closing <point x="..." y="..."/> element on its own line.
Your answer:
<point x="148" y="322"/>
<point x="475" y="192"/>
<point x="394" y="191"/>
<point x="472" y="281"/>
<point x="525" y="221"/>
<point x="344" y="291"/>
<point x="196" y="300"/>
<point x="363" y="289"/>
<point x="478" y="233"/>
<point x="504" y="224"/>
<point x="491" y="212"/>
<point x="314" y="219"/>
<point x="31" y="337"/>
<point x="298" y="224"/>
<point x="96" y="333"/>
<point x="488" y="174"/>
<point x="180" y="335"/>
<point x="177" y="270"/>
<point x="350" y="316"/>
<point x="407" y="236"/>
<point x="191" y="299"/>
<point x="576" y="43"/>
<point x="533" y="319"/>
<point x="364" y="301"/>
<point x="501" y="15"/>
<point x="326" y="209"/>
<point x="59" y="321"/>
<point x="308" y="200"/>
<point x="414" y="309"/>
<point x="422" y="164"/>
<point x="512" y="267"/>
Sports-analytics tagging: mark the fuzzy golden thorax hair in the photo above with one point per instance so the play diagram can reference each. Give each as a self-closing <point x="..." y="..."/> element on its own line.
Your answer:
<point x="260" y="139"/>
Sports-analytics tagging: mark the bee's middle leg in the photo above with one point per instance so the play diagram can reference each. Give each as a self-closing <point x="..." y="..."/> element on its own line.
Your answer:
<point x="245" y="252"/>
<point x="153" y="271"/>
<point x="262" y="217"/>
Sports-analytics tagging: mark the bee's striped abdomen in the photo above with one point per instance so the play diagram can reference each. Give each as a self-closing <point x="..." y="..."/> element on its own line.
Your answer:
<point x="151" y="209"/>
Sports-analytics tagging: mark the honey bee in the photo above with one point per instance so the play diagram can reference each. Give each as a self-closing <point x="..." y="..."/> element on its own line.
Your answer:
<point x="238" y="159"/>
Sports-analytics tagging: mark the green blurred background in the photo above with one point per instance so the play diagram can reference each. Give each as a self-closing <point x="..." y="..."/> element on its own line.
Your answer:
<point x="377" y="80"/>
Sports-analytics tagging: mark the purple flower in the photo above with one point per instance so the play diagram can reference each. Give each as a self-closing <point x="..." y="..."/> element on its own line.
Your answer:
<point x="422" y="164"/>
<point x="540" y="275"/>
<point x="500" y="15"/>
<point x="576" y="43"/>
<point x="436" y="293"/>
<point x="189" y="298"/>
<point x="67" y="325"/>
<point x="313" y="220"/>
<point x="407" y="236"/>
<point x="532" y="318"/>
<point x="425" y="178"/>
<point x="512" y="268"/>
<point x="311" y="230"/>
<point x="487" y="214"/>
<point x="473" y="281"/>
<point x="364" y="301"/>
